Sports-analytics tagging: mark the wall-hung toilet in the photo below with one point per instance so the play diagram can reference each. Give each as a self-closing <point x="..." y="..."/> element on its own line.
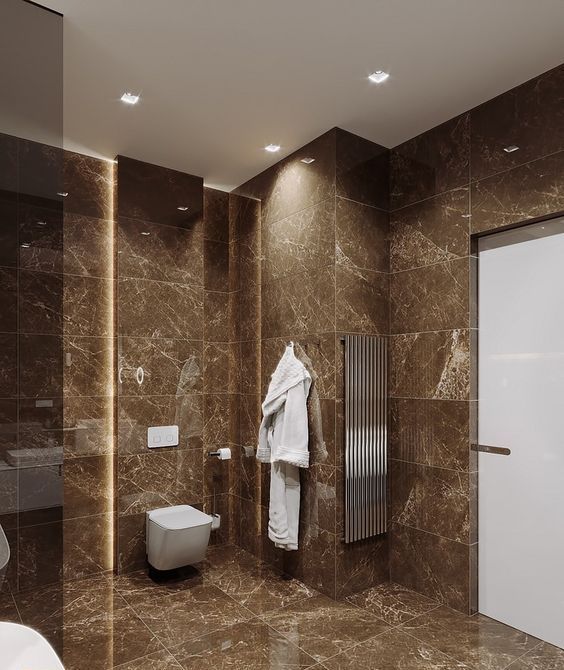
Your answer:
<point x="177" y="536"/>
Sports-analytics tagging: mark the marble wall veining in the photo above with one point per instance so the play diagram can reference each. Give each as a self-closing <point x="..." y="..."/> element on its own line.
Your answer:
<point x="446" y="185"/>
<point x="172" y="320"/>
<point x="306" y="274"/>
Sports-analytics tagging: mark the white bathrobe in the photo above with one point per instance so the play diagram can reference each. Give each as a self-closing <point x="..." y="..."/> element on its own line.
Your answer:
<point x="283" y="442"/>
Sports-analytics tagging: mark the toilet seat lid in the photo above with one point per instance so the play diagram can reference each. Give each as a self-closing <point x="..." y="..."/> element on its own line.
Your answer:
<point x="179" y="517"/>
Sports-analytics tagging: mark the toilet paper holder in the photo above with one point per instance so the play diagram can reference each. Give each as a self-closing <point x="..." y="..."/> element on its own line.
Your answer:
<point x="222" y="454"/>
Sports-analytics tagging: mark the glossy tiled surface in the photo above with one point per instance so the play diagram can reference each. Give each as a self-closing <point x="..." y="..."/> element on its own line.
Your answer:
<point x="236" y="612"/>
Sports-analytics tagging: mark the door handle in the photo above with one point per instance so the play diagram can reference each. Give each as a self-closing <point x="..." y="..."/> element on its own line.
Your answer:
<point x="488" y="449"/>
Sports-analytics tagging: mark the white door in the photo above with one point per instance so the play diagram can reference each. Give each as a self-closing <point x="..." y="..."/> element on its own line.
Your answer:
<point x="521" y="407"/>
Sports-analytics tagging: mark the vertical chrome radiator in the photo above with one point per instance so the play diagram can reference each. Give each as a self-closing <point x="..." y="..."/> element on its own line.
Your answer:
<point x="365" y="436"/>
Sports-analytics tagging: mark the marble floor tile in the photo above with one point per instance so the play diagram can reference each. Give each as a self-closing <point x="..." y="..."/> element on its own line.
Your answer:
<point x="261" y="588"/>
<point x="478" y="641"/>
<point x="187" y="614"/>
<point x="243" y="646"/>
<point x="160" y="660"/>
<point x="324" y="627"/>
<point x="543" y="657"/>
<point x="393" y="650"/>
<point x="393" y="603"/>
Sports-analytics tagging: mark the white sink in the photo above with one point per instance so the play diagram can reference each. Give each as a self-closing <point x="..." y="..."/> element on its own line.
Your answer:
<point x="25" y="649"/>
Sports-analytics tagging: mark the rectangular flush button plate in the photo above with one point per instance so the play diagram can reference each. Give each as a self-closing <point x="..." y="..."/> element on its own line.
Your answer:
<point x="162" y="436"/>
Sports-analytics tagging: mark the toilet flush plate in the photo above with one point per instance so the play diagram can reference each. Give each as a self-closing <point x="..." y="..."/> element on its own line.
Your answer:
<point x="162" y="436"/>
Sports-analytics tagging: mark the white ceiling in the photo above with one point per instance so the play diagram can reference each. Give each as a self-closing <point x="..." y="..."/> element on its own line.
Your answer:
<point x="219" y="79"/>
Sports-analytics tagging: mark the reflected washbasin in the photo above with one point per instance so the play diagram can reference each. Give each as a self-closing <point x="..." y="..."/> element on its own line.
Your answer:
<point x="25" y="649"/>
<point x="4" y="555"/>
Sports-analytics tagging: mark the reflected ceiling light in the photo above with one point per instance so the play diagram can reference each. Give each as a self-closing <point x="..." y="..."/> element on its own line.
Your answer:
<point x="144" y="232"/>
<point x="511" y="148"/>
<point x="273" y="148"/>
<point x="63" y="194"/>
<point x="308" y="160"/>
<point x="25" y="245"/>
<point x="378" y="77"/>
<point x="182" y="208"/>
<point x="42" y="223"/>
<point x="130" y="98"/>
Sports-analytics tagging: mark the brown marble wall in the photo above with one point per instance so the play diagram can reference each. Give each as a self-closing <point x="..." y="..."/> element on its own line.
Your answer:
<point x="172" y="320"/>
<point x="306" y="273"/>
<point x="446" y="184"/>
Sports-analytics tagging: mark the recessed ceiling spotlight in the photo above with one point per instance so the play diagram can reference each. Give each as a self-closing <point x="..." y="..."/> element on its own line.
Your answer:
<point x="308" y="160"/>
<point x="378" y="77"/>
<point x="63" y="194"/>
<point x="25" y="245"/>
<point x="130" y="98"/>
<point x="273" y="148"/>
<point x="144" y="232"/>
<point x="182" y="208"/>
<point x="42" y="223"/>
<point x="511" y="148"/>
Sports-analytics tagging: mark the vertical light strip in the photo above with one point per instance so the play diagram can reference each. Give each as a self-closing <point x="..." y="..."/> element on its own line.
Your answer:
<point x="112" y="521"/>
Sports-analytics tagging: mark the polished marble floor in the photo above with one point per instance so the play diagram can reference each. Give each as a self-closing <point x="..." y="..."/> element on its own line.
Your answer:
<point x="239" y="613"/>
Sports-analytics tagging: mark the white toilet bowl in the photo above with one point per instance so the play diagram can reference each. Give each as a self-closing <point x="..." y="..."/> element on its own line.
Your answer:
<point x="177" y="536"/>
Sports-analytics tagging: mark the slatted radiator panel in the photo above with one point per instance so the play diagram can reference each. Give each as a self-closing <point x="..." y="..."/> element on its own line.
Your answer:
<point x="365" y="436"/>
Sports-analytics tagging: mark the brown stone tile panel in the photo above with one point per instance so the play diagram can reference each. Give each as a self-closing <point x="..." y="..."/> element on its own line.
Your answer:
<point x="431" y="231"/>
<point x="9" y="299"/>
<point x="299" y="305"/>
<point x="9" y="249"/>
<point x="431" y="163"/>
<point x="88" y="244"/>
<point x="250" y="417"/>
<point x="362" y="171"/>
<point x="430" y="365"/>
<point x="323" y="627"/>
<point x="216" y="419"/>
<point x="362" y="301"/>
<point x="249" y="645"/>
<point x="290" y="185"/>
<point x="160" y="660"/>
<point x="361" y="564"/>
<point x="391" y="650"/>
<point x="159" y="479"/>
<point x="136" y="414"/>
<point x="430" y="432"/>
<point x="163" y="253"/>
<point x="40" y="555"/>
<point x="543" y="657"/>
<point x="219" y="359"/>
<point x="152" y="193"/>
<point x="244" y="216"/>
<point x="393" y="603"/>
<point x="42" y="229"/>
<point x="87" y="366"/>
<point x="478" y="641"/>
<point x="431" y="565"/>
<point x="87" y="486"/>
<point x="529" y="116"/>
<point x="131" y="531"/>
<point x="8" y="166"/>
<point x="160" y="309"/>
<point x="40" y="173"/>
<point x="362" y="236"/>
<point x="170" y="366"/>
<point x="435" y="297"/>
<point x="523" y="193"/>
<point x="216" y="317"/>
<point x="216" y="215"/>
<point x="431" y="499"/>
<point x="87" y="546"/>
<point x="89" y="184"/>
<point x="216" y="265"/>
<point x="88" y="306"/>
<point x="8" y="364"/>
<point x="302" y="241"/>
<point x="314" y="562"/>
<point x="40" y="302"/>
<point x="40" y="365"/>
